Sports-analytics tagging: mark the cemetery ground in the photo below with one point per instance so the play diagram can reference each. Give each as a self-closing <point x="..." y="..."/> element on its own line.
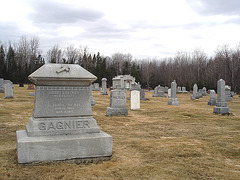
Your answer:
<point x="157" y="142"/>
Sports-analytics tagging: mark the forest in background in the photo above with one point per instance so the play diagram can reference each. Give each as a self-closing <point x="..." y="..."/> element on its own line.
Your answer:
<point x="18" y="60"/>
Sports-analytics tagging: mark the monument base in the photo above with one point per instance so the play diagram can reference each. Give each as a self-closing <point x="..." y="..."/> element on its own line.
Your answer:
<point x="194" y="97"/>
<point x="220" y="110"/>
<point x="228" y="98"/>
<point x="103" y="93"/>
<point x="173" y="102"/>
<point x="212" y="102"/>
<point x="116" y="111"/>
<point x="51" y="148"/>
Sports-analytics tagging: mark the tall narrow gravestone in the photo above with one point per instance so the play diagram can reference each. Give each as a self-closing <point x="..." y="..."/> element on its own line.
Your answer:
<point x="8" y="89"/>
<point x="62" y="126"/>
<point x="212" y="99"/>
<point x="195" y="92"/>
<point x="135" y="100"/>
<point x="221" y="105"/>
<point x="117" y="103"/>
<point x="104" y="87"/>
<point x="173" y="99"/>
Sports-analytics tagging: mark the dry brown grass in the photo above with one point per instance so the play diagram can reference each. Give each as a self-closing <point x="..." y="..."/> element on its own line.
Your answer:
<point x="158" y="142"/>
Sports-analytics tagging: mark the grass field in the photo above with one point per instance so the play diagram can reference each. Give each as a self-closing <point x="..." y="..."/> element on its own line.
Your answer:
<point x="157" y="142"/>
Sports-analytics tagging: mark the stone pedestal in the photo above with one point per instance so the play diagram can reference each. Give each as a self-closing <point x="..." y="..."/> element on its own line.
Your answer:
<point x="221" y="105"/>
<point x="62" y="126"/>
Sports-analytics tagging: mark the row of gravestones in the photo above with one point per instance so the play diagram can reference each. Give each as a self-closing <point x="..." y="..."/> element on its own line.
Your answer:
<point x="62" y="126"/>
<point x="6" y="86"/>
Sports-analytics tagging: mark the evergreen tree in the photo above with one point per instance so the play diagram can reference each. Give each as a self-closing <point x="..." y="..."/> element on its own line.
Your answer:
<point x="2" y="61"/>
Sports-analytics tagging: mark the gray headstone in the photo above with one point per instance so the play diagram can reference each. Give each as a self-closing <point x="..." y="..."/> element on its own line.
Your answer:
<point x="228" y="96"/>
<point x="96" y="87"/>
<point x="1" y="85"/>
<point x="173" y="99"/>
<point x="159" y="92"/>
<point x="104" y="87"/>
<point x="221" y="105"/>
<point x="62" y="126"/>
<point x="8" y="89"/>
<point x="135" y="100"/>
<point x="117" y="103"/>
<point x="195" y="92"/>
<point x="212" y="99"/>
<point x="200" y="93"/>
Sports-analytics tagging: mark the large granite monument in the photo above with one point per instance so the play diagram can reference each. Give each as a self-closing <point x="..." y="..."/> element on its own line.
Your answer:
<point x="117" y="103"/>
<point x="221" y="105"/>
<point x="62" y="126"/>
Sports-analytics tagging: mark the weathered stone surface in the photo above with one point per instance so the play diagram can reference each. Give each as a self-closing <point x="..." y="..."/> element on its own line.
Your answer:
<point x="200" y="93"/>
<point x="8" y="89"/>
<point x="117" y="103"/>
<point x="137" y="86"/>
<point x="91" y="96"/>
<point x="96" y="87"/>
<point x="173" y="99"/>
<point x="123" y="81"/>
<point x="195" y="92"/>
<point x="51" y="148"/>
<point x="221" y="105"/>
<point x="212" y="99"/>
<point x="228" y="96"/>
<point x="159" y="92"/>
<point x="135" y="100"/>
<point x="104" y="87"/>
<point x="169" y="93"/>
<point x="62" y="126"/>
<point x="179" y="89"/>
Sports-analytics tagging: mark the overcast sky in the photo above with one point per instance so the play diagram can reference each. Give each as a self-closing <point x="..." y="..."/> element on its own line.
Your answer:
<point x="143" y="28"/>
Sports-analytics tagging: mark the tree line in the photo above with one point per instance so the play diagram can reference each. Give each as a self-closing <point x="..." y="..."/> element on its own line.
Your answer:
<point x="19" y="60"/>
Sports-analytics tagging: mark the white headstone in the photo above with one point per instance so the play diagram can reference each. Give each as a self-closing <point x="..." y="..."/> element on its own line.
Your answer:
<point x="135" y="100"/>
<point x="8" y="90"/>
<point x="169" y="93"/>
